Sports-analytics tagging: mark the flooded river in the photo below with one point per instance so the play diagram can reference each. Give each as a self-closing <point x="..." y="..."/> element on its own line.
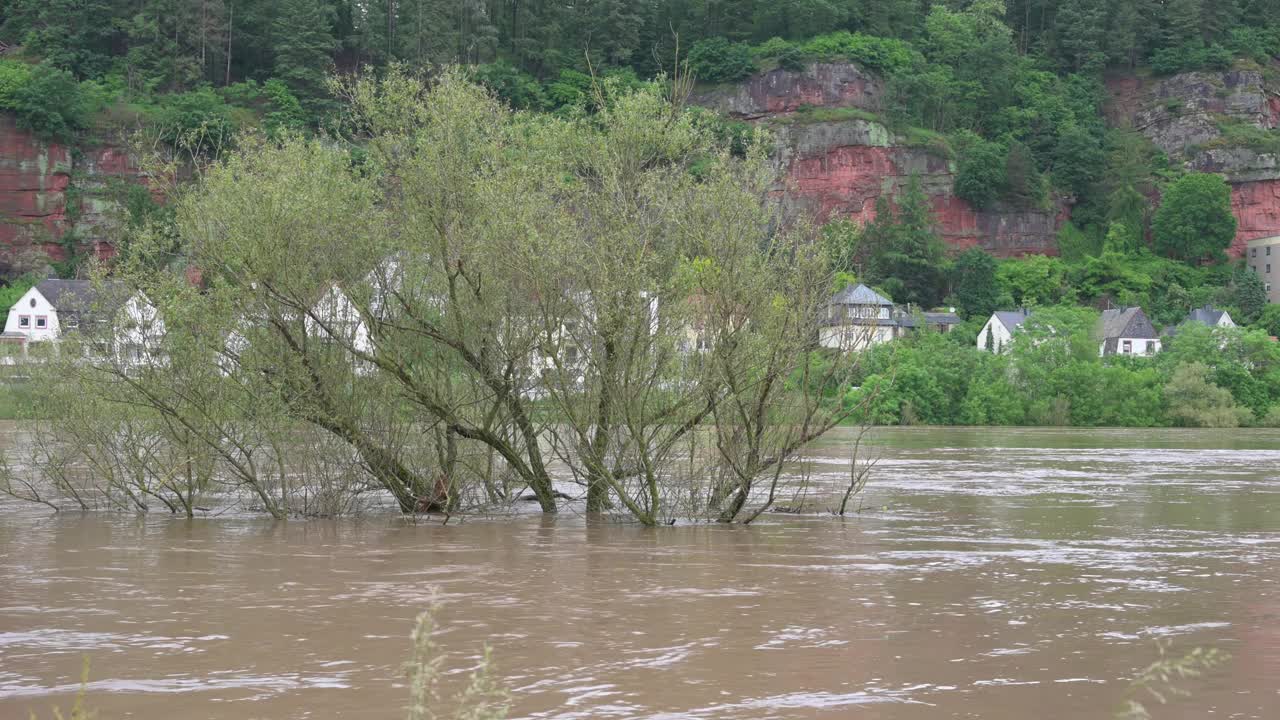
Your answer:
<point x="993" y="573"/>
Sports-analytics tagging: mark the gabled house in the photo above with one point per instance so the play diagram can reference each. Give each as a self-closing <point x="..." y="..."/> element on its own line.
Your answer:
<point x="857" y="318"/>
<point x="1207" y="315"/>
<point x="997" y="335"/>
<point x="54" y="308"/>
<point x="1127" y="331"/>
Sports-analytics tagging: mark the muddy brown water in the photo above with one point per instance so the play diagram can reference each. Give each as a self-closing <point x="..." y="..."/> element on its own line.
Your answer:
<point x="992" y="574"/>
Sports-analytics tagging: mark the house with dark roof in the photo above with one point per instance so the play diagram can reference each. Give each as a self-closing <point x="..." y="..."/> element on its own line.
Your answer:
<point x="1127" y="331"/>
<point x="53" y="308"/>
<point x="1207" y="315"/>
<point x="859" y="317"/>
<point x="997" y="335"/>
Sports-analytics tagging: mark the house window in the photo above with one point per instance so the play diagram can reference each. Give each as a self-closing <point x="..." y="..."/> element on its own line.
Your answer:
<point x="1126" y="347"/>
<point x="42" y="322"/>
<point x="1253" y="252"/>
<point x="1268" y="250"/>
<point x="1268" y="268"/>
<point x="24" y="321"/>
<point x="1151" y="348"/>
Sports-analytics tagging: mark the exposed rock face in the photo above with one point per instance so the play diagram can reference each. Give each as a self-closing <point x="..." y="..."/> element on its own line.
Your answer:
<point x="839" y="168"/>
<point x="1183" y="115"/>
<point x="783" y="91"/>
<point x="1183" y="111"/>
<point x="46" y="191"/>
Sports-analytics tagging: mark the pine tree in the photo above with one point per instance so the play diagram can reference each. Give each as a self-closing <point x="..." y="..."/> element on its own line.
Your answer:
<point x="905" y="252"/>
<point x="303" y="44"/>
<point x="1078" y="34"/>
<point x="1123" y="42"/>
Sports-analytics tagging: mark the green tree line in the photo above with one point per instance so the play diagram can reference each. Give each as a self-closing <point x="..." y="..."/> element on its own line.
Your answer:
<point x="1053" y="375"/>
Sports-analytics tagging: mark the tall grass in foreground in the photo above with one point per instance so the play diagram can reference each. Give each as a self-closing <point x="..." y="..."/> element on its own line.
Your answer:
<point x="1161" y="680"/>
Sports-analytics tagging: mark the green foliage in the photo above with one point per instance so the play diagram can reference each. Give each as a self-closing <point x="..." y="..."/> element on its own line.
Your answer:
<point x="974" y="284"/>
<point x="303" y="46"/>
<point x="50" y="102"/>
<point x="519" y="89"/>
<point x="980" y="172"/>
<point x="1269" y="320"/>
<point x="1078" y="160"/>
<point x="1034" y="280"/>
<point x="718" y="60"/>
<point x="842" y="240"/>
<point x="1194" y="221"/>
<point x="199" y="121"/>
<point x="1191" y="56"/>
<point x="1247" y="294"/>
<point x="1075" y="244"/>
<point x="1054" y="376"/>
<point x="886" y="55"/>
<point x="14" y="76"/>
<point x="904" y="252"/>
<point x="1196" y="402"/>
<point x="11" y="292"/>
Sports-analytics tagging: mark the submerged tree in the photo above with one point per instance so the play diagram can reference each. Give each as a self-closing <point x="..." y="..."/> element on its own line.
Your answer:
<point x="463" y="296"/>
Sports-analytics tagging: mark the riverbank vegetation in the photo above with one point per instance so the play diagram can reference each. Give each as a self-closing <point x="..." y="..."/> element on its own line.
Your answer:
<point x="1053" y="375"/>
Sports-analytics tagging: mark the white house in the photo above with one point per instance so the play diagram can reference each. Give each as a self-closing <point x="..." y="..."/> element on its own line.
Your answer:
<point x="53" y="308"/>
<point x="36" y="316"/>
<point x="997" y="334"/>
<point x="1209" y="315"/>
<point x="857" y="318"/>
<point x="137" y="334"/>
<point x="1127" y="331"/>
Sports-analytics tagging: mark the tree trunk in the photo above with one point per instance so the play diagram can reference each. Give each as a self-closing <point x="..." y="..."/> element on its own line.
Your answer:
<point x="231" y="11"/>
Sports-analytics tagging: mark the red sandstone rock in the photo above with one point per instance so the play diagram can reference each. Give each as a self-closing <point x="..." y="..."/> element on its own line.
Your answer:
<point x="34" y="179"/>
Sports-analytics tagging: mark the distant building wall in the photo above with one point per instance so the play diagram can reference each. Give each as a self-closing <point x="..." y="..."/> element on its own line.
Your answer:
<point x="1263" y="256"/>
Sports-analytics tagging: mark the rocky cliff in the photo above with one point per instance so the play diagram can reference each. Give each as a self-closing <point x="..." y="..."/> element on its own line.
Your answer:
<point x="1213" y="122"/>
<point x="55" y="201"/>
<point x="836" y="158"/>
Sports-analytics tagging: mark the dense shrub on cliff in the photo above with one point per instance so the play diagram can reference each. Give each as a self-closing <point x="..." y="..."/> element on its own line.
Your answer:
<point x="718" y="60"/>
<point x="47" y="101"/>
<point x="1194" y="221"/>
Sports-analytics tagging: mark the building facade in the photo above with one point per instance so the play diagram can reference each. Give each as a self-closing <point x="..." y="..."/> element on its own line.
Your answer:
<point x="1263" y="257"/>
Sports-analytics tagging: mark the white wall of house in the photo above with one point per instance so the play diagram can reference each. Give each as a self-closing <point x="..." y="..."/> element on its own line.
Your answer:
<point x="1133" y="346"/>
<point x="139" y="330"/>
<point x="33" y="317"/>
<point x="854" y="338"/>
<point x="336" y="316"/>
<point x="1000" y="336"/>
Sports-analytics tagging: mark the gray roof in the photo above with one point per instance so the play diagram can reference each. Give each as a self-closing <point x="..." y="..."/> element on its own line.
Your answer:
<point x="1128" y="322"/>
<point x="930" y="319"/>
<point x="1011" y="319"/>
<point x="76" y="297"/>
<point x="1207" y="315"/>
<point x="860" y="295"/>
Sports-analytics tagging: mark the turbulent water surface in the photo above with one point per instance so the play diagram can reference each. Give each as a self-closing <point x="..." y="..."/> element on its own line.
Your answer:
<point x="990" y="574"/>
